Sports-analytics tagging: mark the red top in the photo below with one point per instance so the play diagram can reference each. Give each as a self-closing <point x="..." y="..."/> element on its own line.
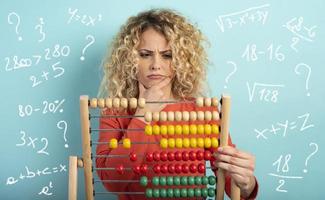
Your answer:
<point x="143" y="149"/>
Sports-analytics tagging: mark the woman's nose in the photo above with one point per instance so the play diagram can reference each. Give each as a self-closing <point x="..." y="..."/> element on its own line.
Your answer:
<point x="156" y="63"/>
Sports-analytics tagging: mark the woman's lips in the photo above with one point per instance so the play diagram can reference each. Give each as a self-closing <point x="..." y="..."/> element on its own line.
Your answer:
<point x="156" y="76"/>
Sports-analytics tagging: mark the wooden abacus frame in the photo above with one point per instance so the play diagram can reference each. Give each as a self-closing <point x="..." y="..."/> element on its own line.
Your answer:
<point x="86" y="160"/>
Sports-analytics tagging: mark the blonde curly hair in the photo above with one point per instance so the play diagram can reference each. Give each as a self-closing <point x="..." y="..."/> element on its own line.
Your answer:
<point x="188" y="61"/>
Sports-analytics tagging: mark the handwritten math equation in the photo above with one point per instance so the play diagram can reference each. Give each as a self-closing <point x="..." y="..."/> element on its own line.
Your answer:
<point x="285" y="127"/>
<point x="282" y="168"/>
<point x="272" y="51"/>
<point x="40" y="68"/>
<point x="275" y="53"/>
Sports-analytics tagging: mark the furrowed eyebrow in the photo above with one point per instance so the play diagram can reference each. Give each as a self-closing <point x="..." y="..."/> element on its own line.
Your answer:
<point x="161" y="52"/>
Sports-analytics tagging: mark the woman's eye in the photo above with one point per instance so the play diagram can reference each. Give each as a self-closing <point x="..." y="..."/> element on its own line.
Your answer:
<point x="167" y="56"/>
<point x="144" y="55"/>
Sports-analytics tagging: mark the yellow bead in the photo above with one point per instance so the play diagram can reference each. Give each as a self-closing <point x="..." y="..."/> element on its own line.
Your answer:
<point x="193" y="129"/>
<point x="215" y="129"/>
<point x="200" y="129"/>
<point x="148" y="130"/>
<point x="164" y="143"/>
<point x="171" y="142"/>
<point x="200" y="142"/>
<point x="207" y="142"/>
<point x="163" y="130"/>
<point x="186" y="129"/>
<point x="193" y="142"/>
<point x="186" y="142"/>
<point x="156" y="129"/>
<point x="171" y="130"/>
<point x="178" y="129"/>
<point x="127" y="143"/>
<point x="179" y="143"/>
<point x="113" y="143"/>
<point x="214" y="142"/>
<point x="207" y="129"/>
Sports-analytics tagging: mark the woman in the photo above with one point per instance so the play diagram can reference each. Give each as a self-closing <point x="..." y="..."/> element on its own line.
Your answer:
<point x="159" y="56"/>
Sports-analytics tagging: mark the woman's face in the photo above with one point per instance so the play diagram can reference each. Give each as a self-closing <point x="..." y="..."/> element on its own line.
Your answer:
<point x="155" y="58"/>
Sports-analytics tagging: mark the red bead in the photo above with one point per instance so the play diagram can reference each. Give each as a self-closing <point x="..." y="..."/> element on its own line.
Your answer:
<point x="192" y="155"/>
<point x="133" y="156"/>
<point x="156" y="156"/>
<point x="185" y="156"/>
<point x="207" y="155"/>
<point x="164" y="168"/>
<point x="199" y="155"/>
<point x="171" y="168"/>
<point x="163" y="156"/>
<point x="120" y="169"/>
<point x="178" y="156"/>
<point x="171" y="156"/>
<point x="144" y="168"/>
<point x="201" y="168"/>
<point x="193" y="168"/>
<point x="178" y="168"/>
<point x="149" y="157"/>
<point x="156" y="168"/>
<point x="137" y="169"/>
<point x="185" y="168"/>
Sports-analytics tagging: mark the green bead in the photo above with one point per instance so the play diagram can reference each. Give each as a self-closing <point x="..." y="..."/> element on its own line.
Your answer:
<point x="162" y="180"/>
<point x="170" y="192"/>
<point x="191" y="180"/>
<point x="197" y="192"/>
<point x="205" y="180"/>
<point x="163" y="193"/>
<point x="155" y="180"/>
<point x="198" y="180"/>
<point x="190" y="192"/>
<point x="211" y="192"/>
<point x="184" y="180"/>
<point x="212" y="180"/>
<point x="177" y="192"/>
<point x="149" y="192"/>
<point x="170" y="180"/>
<point x="177" y="180"/>
<point x="204" y="192"/>
<point x="183" y="192"/>
<point x="143" y="181"/>
<point x="155" y="193"/>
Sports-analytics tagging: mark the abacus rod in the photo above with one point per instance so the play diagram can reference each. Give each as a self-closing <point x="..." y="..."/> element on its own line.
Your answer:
<point x="129" y="168"/>
<point x="115" y="116"/>
<point x="113" y="156"/>
<point x="97" y="143"/>
<point x="117" y="181"/>
<point x="117" y="129"/>
<point x="119" y="193"/>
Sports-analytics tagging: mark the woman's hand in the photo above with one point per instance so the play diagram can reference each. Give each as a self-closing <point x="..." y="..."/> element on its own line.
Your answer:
<point x="239" y="165"/>
<point x="155" y="92"/>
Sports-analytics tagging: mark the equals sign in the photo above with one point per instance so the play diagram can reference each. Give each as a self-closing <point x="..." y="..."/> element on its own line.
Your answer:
<point x="55" y="169"/>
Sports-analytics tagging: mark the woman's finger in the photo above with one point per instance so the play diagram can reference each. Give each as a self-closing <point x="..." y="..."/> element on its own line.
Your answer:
<point x="234" y="168"/>
<point x="235" y="161"/>
<point x="229" y="150"/>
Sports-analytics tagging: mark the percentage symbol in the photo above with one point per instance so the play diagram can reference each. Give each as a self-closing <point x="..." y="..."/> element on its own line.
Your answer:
<point x="58" y="105"/>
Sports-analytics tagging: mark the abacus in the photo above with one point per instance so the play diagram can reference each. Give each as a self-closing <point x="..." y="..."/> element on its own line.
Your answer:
<point x="214" y="134"/>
